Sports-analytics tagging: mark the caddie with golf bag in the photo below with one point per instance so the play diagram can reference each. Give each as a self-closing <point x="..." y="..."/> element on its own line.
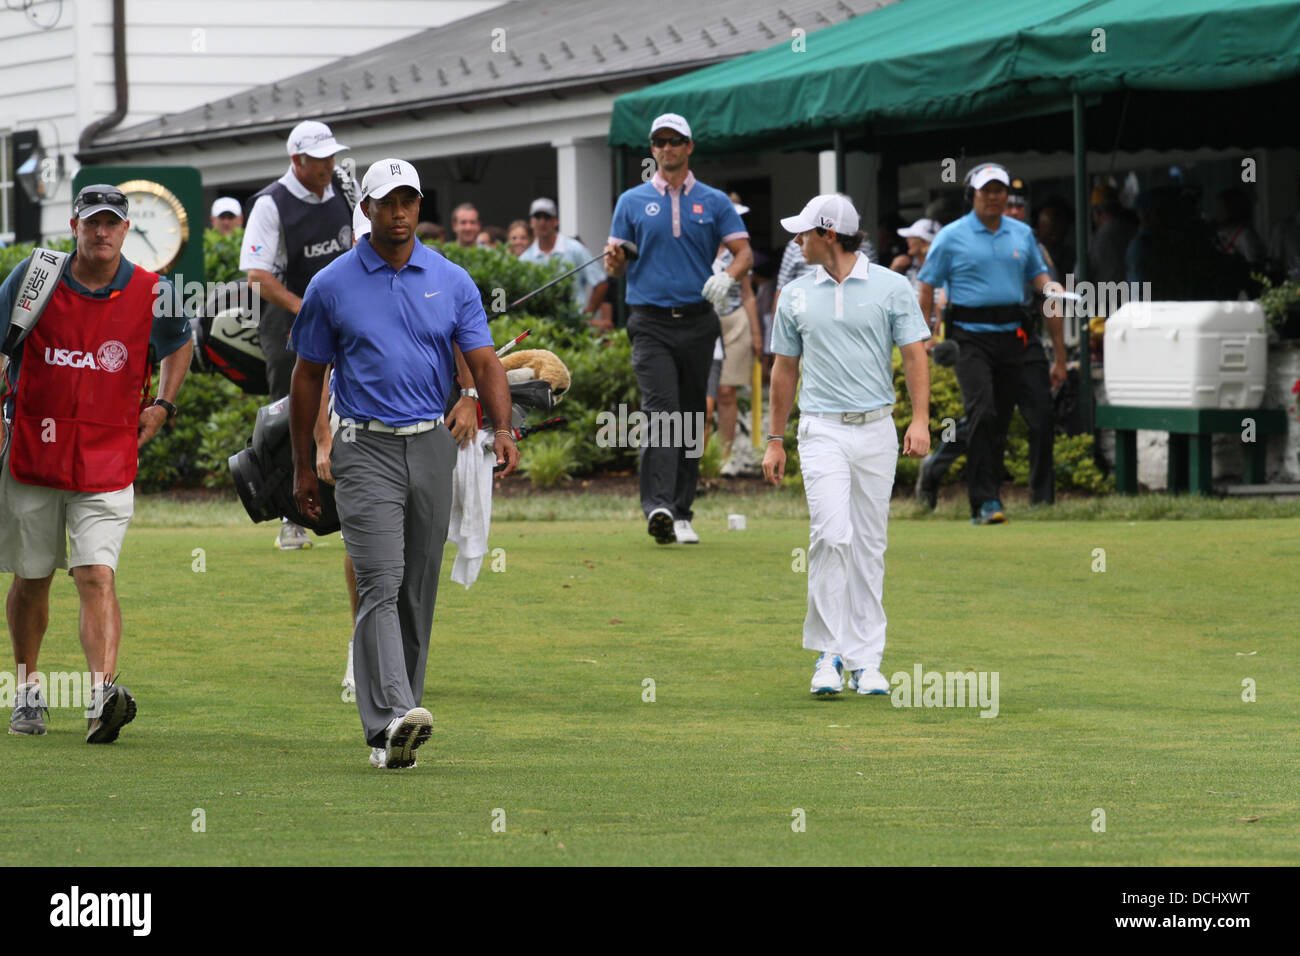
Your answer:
<point x="77" y="330"/>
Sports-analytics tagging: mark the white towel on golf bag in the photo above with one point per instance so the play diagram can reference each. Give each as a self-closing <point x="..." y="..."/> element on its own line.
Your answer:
<point x="471" y="506"/>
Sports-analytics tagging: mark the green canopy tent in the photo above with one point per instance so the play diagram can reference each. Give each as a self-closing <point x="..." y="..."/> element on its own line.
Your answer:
<point x="1125" y="73"/>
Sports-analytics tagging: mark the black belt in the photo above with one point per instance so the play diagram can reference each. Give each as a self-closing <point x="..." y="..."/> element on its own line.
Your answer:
<point x="992" y="314"/>
<point x="674" y="312"/>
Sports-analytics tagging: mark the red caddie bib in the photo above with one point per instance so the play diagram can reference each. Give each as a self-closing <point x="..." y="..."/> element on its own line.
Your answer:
<point x="85" y="371"/>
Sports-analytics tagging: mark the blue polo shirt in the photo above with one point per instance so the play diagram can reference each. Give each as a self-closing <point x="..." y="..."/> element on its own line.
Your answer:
<point x="171" y="322"/>
<point x="846" y="333"/>
<point x="981" y="267"/>
<point x="678" y="232"/>
<point x="390" y="333"/>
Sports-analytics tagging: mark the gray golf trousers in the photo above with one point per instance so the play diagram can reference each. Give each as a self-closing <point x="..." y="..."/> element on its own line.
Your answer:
<point x="394" y="500"/>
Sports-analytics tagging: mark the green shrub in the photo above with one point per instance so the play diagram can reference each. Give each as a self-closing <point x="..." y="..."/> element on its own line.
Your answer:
<point x="215" y="421"/>
<point x="711" y="459"/>
<point x="547" y="459"/>
<point x="221" y="255"/>
<point x="502" y="278"/>
<point x="10" y="256"/>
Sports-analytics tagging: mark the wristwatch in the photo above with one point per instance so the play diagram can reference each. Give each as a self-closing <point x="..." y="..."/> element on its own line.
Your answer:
<point x="470" y="393"/>
<point x="168" y="406"/>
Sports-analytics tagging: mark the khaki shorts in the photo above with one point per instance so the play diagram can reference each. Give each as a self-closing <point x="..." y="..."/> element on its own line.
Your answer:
<point x="738" y="342"/>
<point x="38" y="523"/>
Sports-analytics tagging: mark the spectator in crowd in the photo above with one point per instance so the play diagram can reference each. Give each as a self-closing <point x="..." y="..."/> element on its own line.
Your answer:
<point x="889" y="240"/>
<point x="226" y="215"/>
<point x="427" y="230"/>
<point x="590" y="284"/>
<point x="1055" y="222"/>
<point x="519" y="236"/>
<point x="1237" y="237"/>
<point x="764" y="300"/>
<point x="1113" y="229"/>
<point x="1284" y="248"/>
<point x="465" y="224"/>
<point x="741" y="344"/>
<point x="491" y="237"/>
<point x="1177" y="251"/>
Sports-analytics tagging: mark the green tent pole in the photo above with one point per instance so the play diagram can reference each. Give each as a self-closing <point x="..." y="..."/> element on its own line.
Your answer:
<point x="1081" y="216"/>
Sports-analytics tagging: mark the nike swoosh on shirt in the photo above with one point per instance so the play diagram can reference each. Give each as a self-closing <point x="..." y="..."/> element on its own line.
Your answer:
<point x="430" y="295"/>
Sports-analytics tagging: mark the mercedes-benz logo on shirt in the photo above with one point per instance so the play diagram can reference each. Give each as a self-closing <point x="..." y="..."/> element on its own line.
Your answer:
<point x="652" y="209"/>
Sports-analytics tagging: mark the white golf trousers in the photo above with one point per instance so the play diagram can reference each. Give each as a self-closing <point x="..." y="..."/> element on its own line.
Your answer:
<point x="848" y="475"/>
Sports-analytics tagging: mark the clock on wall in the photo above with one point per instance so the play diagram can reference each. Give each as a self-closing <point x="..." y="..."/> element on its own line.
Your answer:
<point x="160" y="226"/>
<point x="166" y="212"/>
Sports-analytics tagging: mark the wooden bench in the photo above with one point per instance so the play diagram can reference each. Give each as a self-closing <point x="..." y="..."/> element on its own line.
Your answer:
<point x="1190" y="431"/>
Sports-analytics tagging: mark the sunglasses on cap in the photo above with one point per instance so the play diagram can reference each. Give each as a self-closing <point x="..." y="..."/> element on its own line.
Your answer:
<point x="115" y="199"/>
<point x="662" y="141"/>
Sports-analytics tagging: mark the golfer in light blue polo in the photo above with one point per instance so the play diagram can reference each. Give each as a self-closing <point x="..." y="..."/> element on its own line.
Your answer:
<point x="844" y="320"/>
<point x="386" y="314"/>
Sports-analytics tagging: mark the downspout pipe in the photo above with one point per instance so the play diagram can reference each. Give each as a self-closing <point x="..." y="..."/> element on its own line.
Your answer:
<point x="87" y="139"/>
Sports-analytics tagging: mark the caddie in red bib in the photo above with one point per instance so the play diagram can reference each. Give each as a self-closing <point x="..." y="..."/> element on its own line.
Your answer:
<point x="77" y="332"/>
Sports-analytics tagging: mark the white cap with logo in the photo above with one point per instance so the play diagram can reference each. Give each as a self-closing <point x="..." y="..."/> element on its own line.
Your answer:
<point x="671" y="121"/>
<point x="386" y="175"/>
<point x="315" y="139"/>
<point x="983" y="175"/>
<point x="828" y="211"/>
<point x="226" y="204"/>
<point x="925" y="229"/>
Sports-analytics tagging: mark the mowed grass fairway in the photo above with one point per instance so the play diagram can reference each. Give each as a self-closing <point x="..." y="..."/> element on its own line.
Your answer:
<point x="1119" y="690"/>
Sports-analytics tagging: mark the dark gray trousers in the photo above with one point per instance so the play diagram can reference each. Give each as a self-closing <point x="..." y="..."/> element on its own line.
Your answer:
<point x="273" y="335"/>
<point x="671" y="358"/>
<point x="394" y="500"/>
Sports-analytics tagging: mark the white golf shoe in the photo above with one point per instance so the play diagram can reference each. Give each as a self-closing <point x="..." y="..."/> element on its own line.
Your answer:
<point x="868" y="681"/>
<point x="405" y="735"/>
<point x="828" y="675"/>
<point x="684" y="532"/>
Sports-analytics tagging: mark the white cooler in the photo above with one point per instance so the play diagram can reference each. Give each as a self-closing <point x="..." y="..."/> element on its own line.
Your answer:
<point x="1186" y="355"/>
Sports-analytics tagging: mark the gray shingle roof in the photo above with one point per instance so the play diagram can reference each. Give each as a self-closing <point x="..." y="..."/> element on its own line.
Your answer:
<point x="550" y="46"/>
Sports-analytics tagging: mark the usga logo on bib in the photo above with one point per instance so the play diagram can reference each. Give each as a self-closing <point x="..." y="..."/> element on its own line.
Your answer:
<point x="111" y="357"/>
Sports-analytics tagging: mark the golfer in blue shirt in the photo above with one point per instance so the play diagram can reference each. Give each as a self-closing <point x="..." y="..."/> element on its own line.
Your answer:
<point x="986" y="259"/>
<point x="386" y="314"/>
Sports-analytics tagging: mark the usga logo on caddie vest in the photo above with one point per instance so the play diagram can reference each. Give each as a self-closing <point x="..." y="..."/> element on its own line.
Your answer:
<point x="110" y="357"/>
<point x="342" y="244"/>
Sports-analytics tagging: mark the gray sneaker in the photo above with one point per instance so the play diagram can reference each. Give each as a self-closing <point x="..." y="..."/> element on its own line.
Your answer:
<point x="111" y="708"/>
<point x="27" y="718"/>
<point x="292" y="537"/>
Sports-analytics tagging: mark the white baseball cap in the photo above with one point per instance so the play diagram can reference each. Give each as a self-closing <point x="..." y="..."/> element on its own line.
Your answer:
<point x="671" y="121"/>
<point x="313" y="138"/>
<point x="828" y="211"/>
<point x="925" y="229"/>
<point x="226" y="204"/>
<point x="545" y="206"/>
<point x="982" y="175"/>
<point x="386" y="175"/>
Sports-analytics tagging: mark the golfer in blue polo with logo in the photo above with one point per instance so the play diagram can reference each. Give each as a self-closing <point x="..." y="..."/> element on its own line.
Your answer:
<point x="677" y="224"/>
<point x="386" y="314"/>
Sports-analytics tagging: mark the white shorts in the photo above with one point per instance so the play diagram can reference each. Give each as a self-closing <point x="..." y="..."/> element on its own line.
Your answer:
<point x="738" y="343"/>
<point x="48" y="528"/>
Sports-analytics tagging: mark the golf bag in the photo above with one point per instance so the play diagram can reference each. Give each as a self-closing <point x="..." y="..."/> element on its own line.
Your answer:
<point x="227" y="341"/>
<point x="263" y="474"/>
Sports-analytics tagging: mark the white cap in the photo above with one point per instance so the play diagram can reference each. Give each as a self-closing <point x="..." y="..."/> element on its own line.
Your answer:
<point x="982" y="175"/>
<point x="829" y="211"/>
<point x="313" y="138"/>
<point x="740" y="208"/>
<point x="543" y="206"/>
<point x="925" y="229"/>
<point x="226" y="204"/>
<point x="386" y="175"/>
<point x="671" y="121"/>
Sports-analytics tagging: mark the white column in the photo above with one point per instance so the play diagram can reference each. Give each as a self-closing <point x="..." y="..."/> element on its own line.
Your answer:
<point x="584" y="171"/>
<point x="826" y="172"/>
